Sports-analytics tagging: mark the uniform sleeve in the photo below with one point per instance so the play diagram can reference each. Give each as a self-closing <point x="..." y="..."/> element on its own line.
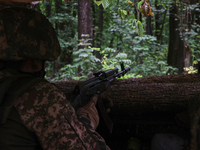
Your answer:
<point x="46" y="111"/>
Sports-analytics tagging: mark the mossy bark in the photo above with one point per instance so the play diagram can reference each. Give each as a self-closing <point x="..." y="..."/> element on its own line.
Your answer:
<point x="131" y="97"/>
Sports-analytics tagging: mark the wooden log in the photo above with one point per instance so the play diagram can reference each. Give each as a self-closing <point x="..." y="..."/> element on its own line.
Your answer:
<point x="137" y="97"/>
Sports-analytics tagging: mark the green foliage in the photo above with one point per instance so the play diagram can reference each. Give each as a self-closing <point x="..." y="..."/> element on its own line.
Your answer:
<point x="139" y="4"/>
<point x="105" y="3"/>
<point x="112" y="59"/>
<point x="84" y="60"/>
<point x="191" y="70"/>
<point x="65" y="22"/>
<point x="88" y="63"/>
<point x="98" y="2"/>
<point x="149" y="57"/>
<point x="122" y="13"/>
<point x="131" y="75"/>
<point x="139" y="28"/>
<point x="123" y="40"/>
<point x="193" y="42"/>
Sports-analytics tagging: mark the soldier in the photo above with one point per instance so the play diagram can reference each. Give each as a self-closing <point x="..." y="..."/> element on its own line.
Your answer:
<point x="41" y="117"/>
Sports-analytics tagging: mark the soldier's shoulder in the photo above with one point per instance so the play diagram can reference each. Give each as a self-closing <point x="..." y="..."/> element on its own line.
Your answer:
<point x="41" y="95"/>
<point x="44" y="85"/>
<point x="47" y="89"/>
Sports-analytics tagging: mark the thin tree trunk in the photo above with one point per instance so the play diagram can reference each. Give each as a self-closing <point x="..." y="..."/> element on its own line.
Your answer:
<point x="158" y="23"/>
<point x="187" y="50"/>
<point x="175" y="50"/>
<point x="85" y="19"/>
<point x="100" y="30"/>
<point x="48" y="8"/>
<point x="93" y="5"/>
<point x="148" y="26"/>
<point x="161" y="31"/>
<point x="84" y="24"/>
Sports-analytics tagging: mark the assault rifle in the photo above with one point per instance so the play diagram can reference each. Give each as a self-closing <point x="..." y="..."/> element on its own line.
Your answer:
<point x="84" y="91"/>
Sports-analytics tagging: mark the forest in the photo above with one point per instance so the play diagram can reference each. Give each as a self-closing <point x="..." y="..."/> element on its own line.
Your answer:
<point x="152" y="37"/>
<point x="157" y="39"/>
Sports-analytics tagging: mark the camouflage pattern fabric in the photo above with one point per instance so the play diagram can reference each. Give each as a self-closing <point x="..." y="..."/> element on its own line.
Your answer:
<point x="26" y="34"/>
<point x="45" y="111"/>
<point x="90" y="111"/>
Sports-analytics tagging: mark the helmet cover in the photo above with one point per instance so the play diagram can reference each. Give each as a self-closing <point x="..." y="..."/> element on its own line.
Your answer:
<point x="27" y="34"/>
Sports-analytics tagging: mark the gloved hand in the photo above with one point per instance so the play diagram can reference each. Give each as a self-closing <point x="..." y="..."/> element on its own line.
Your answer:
<point x="90" y="111"/>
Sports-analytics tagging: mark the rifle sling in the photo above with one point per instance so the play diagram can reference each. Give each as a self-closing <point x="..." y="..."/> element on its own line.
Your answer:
<point x="12" y="87"/>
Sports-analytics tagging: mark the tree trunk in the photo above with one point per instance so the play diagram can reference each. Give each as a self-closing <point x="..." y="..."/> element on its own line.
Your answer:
<point x="134" y="98"/>
<point x="187" y="50"/>
<point x="94" y="19"/>
<point x="85" y="19"/>
<point x="48" y="8"/>
<point x="138" y="14"/>
<point x="176" y="45"/>
<point x="58" y="4"/>
<point x="148" y="26"/>
<point x="158" y="22"/>
<point x="84" y="24"/>
<point x="100" y="30"/>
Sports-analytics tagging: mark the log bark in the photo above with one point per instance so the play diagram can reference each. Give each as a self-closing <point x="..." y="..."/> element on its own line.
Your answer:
<point x="137" y="97"/>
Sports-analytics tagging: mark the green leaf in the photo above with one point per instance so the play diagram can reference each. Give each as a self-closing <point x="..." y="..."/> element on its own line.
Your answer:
<point x="134" y="24"/>
<point x="121" y="55"/>
<point x="124" y="12"/>
<point x="161" y="63"/>
<point x="83" y="55"/>
<point x="140" y="28"/>
<point x="127" y="61"/>
<point x="139" y="4"/>
<point x="109" y="50"/>
<point x="77" y="59"/>
<point x="98" y="2"/>
<point x="106" y="3"/>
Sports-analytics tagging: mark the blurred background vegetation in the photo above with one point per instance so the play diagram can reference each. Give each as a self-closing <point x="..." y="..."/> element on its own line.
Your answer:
<point x="98" y="36"/>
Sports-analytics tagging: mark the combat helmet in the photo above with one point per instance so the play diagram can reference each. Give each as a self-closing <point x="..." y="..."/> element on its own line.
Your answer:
<point x="26" y="34"/>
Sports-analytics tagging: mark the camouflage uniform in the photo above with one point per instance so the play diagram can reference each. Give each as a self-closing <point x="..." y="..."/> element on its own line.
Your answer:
<point x="43" y="109"/>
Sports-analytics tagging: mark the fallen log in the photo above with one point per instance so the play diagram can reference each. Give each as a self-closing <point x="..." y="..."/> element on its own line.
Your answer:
<point x="136" y="97"/>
